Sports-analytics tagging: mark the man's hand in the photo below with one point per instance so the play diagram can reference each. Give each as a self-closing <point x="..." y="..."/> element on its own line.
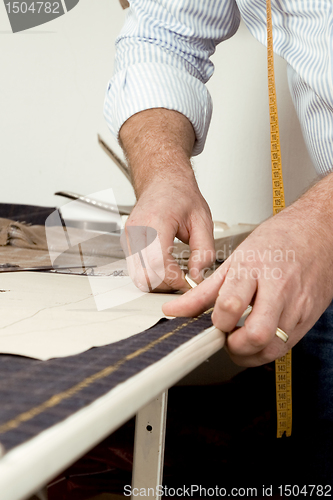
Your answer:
<point x="285" y="268"/>
<point x="158" y="144"/>
<point x="175" y="212"/>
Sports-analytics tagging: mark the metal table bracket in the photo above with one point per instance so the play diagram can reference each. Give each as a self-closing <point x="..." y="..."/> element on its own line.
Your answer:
<point x="149" y="441"/>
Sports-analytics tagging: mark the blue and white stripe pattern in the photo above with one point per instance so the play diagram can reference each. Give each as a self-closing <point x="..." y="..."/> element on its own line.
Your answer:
<point x="163" y="55"/>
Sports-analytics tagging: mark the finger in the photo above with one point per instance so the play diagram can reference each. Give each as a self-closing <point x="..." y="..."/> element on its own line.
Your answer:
<point x="260" y="326"/>
<point x="234" y="296"/>
<point x="202" y="249"/>
<point x="199" y="299"/>
<point x="149" y="259"/>
<point x="174" y="278"/>
<point x="267" y="355"/>
<point x="276" y="347"/>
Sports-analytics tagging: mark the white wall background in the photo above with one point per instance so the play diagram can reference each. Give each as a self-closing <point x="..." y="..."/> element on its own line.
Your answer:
<point x="53" y="79"/>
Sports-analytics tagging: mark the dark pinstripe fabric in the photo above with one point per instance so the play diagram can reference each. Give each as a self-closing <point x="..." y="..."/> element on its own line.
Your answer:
<point x="26" y="384"/>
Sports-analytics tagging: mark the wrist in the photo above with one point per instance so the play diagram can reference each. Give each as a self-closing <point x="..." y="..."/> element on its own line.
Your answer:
<point x="175" y="178"/>
<point x="158" y="145"/>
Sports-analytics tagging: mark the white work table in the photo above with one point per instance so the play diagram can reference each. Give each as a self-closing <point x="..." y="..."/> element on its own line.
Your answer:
<point x="28" y="467"/>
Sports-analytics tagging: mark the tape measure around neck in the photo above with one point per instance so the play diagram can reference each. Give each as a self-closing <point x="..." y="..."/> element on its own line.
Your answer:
<point x="282" y="365"/>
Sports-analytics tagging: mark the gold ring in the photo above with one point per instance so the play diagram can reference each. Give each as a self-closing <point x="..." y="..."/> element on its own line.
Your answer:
<point x="282" y="335"/>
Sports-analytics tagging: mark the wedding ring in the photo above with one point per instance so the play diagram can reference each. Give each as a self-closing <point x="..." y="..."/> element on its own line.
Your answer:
<point x="282" y="335"/>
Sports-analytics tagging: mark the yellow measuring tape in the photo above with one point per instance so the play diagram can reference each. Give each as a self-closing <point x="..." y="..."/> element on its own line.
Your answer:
<point x="282" y="365"/>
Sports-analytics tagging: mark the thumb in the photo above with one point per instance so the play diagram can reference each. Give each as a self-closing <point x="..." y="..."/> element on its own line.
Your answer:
<point x="202" y="249"/>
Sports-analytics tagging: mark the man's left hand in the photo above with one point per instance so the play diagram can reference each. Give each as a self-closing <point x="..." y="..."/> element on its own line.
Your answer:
<point x="284" y="269"/>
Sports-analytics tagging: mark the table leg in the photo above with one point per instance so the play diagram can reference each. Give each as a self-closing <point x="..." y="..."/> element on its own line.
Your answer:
<point x="149" y="440"/>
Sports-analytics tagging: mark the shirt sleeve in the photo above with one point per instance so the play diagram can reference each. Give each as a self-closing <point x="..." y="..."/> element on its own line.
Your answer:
<point x="162" y="60"/>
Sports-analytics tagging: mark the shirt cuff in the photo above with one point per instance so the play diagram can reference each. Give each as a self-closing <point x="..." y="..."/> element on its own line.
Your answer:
<point x="150" y="85"/>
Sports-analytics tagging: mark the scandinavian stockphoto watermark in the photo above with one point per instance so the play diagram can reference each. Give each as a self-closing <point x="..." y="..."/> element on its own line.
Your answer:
<point x="72" y="244"/>
<point x="25" y="14"/>
<point x="255" y="264"/>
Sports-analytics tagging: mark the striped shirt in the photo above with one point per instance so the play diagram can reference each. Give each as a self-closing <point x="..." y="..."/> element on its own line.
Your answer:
<point x="163" y="52"/>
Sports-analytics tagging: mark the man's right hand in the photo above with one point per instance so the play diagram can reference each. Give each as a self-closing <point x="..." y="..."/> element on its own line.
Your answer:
<point x="175" y="212"/>
<point x="158" y="145"/>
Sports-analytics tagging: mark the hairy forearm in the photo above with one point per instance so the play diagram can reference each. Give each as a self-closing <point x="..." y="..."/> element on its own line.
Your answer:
<point x="315" y="210"/>
<point x="158" y="145"/>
